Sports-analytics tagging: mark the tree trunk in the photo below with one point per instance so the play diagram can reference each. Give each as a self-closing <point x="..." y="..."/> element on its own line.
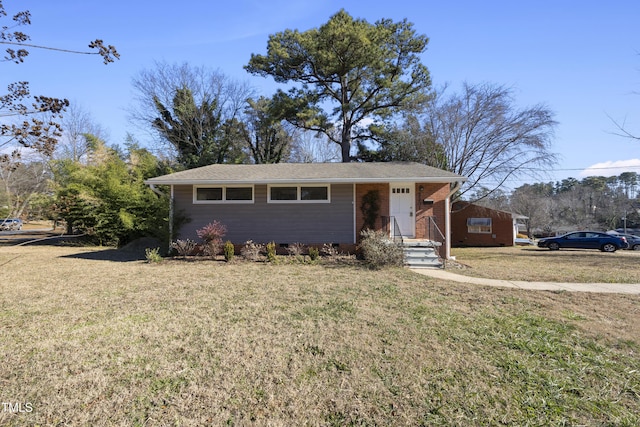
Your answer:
<point x="346" y="142"/>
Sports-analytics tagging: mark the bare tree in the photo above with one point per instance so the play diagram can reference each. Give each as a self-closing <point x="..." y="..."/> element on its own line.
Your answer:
<point x="21" y="181"/>
<point x="536" y="203"/>
<point x="623" y="130"/>
<point x="310" y="147"/>
<point x="487" y="138"/>
<point x="479" y="133"/>
<point x="163" y="83"/>
<point x="76" y="124"/>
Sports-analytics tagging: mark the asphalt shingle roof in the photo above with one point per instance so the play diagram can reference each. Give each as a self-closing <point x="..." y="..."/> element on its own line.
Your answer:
<point x="308" y="172"/>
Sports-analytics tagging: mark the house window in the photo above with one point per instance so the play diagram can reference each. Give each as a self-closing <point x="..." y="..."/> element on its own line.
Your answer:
<point x="283" y="193"/>
<point x="239" y="193"/>
<point x="314" y="193"/>
<point x="208" y="194"/>
<point x="299" y="194"/>
<point x="479" y="225"/>
<point x="222" y="194"/>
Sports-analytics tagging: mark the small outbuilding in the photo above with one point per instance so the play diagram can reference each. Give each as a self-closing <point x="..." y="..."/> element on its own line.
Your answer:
<point x="475" y="225"/>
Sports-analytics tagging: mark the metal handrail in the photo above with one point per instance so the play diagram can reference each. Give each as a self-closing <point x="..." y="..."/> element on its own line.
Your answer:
<point x="390" y="225"/>
<point x="436" y="235"/>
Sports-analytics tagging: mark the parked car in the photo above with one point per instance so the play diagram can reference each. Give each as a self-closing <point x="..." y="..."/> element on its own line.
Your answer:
<point x="11" y="224"/>
<point x="632" y="240"/>
<point x="585" y="240"/>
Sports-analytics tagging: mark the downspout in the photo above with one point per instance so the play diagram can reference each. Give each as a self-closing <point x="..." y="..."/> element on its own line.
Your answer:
<point x="155" y="190"/>
<point x="171" y="203"/>
<point x="447" y="218"/>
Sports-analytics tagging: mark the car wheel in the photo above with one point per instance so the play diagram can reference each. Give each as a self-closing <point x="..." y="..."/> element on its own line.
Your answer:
<point x="609" y="247"/>
<point x="636" y="247"/>
<point x="553" y="246"/>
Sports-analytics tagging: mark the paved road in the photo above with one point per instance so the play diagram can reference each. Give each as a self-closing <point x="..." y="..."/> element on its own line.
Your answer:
<point x="618" y="288"/>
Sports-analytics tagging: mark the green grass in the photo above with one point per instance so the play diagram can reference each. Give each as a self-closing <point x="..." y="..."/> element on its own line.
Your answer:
<point x="96" y="342"/>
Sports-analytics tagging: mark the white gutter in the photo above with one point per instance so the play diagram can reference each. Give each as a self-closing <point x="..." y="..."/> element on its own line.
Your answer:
<point x="447" y="219"/>
<point x="155" y="189"/>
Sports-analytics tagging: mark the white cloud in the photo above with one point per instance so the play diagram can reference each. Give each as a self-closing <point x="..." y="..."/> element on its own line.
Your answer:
<point x="610" y="168"/>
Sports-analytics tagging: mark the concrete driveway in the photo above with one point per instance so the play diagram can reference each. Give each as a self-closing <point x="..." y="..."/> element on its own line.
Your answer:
<point x="616" y="288"/>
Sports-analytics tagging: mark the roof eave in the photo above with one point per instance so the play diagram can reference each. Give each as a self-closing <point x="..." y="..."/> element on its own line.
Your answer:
<point x="306" y="180"/>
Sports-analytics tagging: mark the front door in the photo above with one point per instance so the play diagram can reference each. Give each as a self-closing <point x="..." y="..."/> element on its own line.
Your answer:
<point x="401" y="201"/>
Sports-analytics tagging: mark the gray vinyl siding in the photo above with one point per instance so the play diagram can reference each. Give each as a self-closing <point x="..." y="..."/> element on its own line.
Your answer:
<point x="279" y="222"/>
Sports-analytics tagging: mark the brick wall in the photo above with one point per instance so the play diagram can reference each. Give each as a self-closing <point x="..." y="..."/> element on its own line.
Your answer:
<point x="437" y="193"/>
<point x="434" y="191"/>
<point x="501" y="226"/>
<point x="361" y="190"/>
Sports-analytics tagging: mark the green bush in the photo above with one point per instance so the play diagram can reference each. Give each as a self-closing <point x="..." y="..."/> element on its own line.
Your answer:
<point x="153" y="255"/>
<point x="314" y="253"/>
<point x="229" y="251"/>
<point x="271" y="252"/>
<point x="380" y="251"/>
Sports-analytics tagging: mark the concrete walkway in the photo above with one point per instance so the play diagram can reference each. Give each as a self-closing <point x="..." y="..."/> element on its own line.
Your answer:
<point x="617" y="288"/>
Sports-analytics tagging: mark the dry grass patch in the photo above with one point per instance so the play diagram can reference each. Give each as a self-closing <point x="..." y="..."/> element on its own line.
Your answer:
<point x="537" y="264"/>
<point x="93" y="342"/>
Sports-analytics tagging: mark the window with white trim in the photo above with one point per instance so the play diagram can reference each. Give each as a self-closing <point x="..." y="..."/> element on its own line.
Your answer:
<point x="222" y="194"/>
<point x="299" y="194"/>
<point x="479" y="225"/>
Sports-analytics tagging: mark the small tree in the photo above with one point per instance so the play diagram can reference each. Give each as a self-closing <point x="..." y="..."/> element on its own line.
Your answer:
<point x="107" y="198"/>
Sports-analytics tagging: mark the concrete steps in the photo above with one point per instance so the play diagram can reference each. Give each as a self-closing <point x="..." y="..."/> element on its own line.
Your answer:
<point x="421" y="254"/>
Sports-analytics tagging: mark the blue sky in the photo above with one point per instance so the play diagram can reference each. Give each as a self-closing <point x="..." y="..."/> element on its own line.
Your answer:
<point x="580" y="58"/>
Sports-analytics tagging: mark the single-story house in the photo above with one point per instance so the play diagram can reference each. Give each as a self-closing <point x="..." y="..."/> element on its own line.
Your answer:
<point x="475" y="225"/>
<point x="312" y="203"/>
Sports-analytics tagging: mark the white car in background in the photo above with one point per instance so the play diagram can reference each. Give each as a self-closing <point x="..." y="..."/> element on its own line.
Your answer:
<point x="11" y="224"/>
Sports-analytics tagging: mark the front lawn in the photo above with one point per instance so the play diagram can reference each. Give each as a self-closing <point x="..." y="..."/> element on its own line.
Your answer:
<point x="537" y="264"/>
<point x="89" y="341"/>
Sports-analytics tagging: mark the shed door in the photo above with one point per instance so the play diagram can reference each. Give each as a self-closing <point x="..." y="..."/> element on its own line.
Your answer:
<point x="401" y="202"/>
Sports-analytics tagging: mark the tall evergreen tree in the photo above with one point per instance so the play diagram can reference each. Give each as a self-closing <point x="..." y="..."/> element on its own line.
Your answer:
<point x="367" y="71"/>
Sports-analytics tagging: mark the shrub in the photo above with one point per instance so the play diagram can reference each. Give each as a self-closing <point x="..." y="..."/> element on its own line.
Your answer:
<point x="329" y="250"/>
<point x="296" y="249"/>
<point x="251" y="250"/>
<point x="212" y="231"/>
<point x="314" y="253"/>
<point x="212" y="248"/>
<point x="184" y="247"/>
<point x="153" y="255"/>
<point x="229" y="251"/>
<point x="379" y="251"/>
<point x="370" y="208"/>
<point x="271" y="251"/>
